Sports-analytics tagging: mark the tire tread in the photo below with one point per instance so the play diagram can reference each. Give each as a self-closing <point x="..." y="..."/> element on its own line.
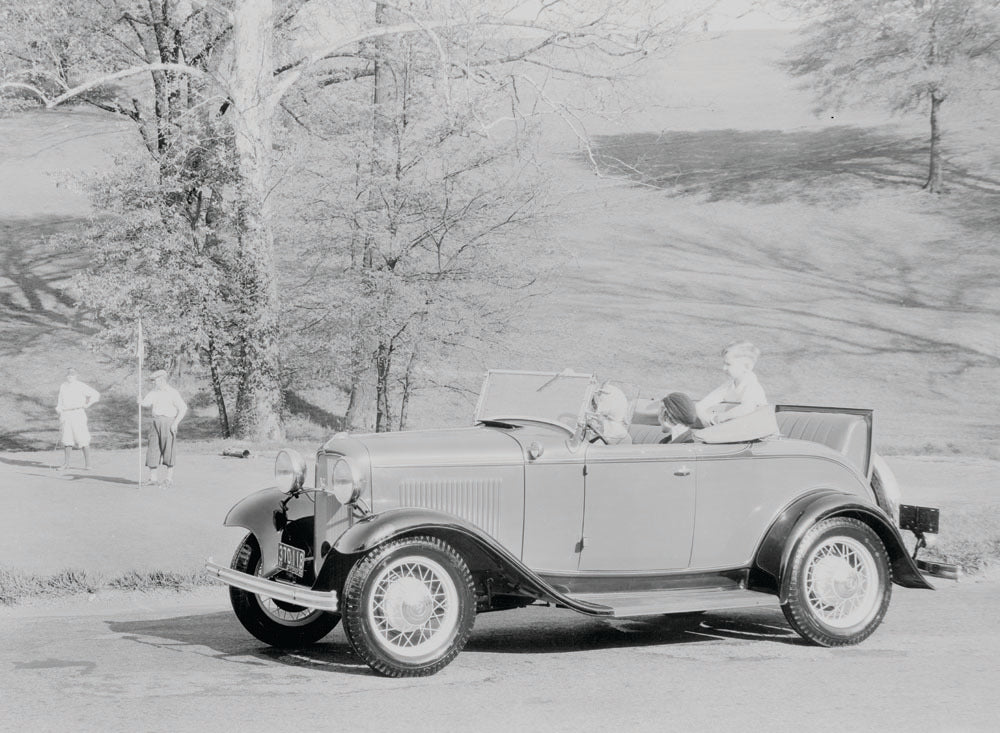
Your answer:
<point x="354" y="612"/>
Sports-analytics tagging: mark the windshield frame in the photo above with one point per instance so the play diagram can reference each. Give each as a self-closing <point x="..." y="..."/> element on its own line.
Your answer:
<point x="538" y="419"/>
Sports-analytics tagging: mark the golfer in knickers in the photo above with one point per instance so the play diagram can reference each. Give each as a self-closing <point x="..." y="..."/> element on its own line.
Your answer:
<point x="168" y="410"/>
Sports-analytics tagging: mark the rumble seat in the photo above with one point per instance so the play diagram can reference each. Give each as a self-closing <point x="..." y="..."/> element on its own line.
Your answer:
<point x="843" y="432"/>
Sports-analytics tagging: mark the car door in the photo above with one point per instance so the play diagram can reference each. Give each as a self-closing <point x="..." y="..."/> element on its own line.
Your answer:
<point x="639" y="507"/>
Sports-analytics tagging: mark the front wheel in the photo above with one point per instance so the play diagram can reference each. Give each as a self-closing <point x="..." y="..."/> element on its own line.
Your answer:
<point x="841" y="583"/>
<point x="274" y="622"/>
<point x="409" y="606"/>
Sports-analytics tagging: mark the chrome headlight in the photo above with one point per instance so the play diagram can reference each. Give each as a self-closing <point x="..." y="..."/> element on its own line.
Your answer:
<point x="289" y="470"/>
<point x="345" y="484"/>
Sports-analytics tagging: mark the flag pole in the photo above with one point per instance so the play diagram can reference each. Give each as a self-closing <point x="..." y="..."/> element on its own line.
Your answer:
<point x="139" y="352"/>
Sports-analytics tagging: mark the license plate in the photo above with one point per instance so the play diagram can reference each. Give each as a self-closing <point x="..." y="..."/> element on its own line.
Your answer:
<point x="919" y="518"/>
<point x="291" y="559"/>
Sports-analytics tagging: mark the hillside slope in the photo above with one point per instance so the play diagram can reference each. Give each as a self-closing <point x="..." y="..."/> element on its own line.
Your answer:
<point x="726" y="211"/>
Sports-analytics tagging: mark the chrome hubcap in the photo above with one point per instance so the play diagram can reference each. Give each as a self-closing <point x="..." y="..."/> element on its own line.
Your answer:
<point x="414" y="607"/>
<point x="842" y="586"/>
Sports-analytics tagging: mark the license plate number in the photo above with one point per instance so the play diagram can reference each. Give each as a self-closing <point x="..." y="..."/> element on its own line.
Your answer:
<point x="291" y="559"/>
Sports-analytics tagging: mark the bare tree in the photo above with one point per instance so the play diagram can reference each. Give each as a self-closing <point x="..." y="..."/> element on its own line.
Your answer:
<point x="904" y="54"/>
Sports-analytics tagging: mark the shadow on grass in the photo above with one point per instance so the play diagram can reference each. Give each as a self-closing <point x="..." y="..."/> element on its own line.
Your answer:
<point x="299" y="406"/>
<point x="74" y="473"/>
<point x="36" y="302"/>
<point x="768" y="166"/>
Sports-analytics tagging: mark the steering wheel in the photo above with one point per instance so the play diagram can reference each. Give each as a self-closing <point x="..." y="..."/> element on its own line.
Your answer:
<point x="597" y="433"/>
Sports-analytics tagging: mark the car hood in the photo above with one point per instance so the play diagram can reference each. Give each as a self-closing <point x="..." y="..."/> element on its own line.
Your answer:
<point x="478" y="445"/>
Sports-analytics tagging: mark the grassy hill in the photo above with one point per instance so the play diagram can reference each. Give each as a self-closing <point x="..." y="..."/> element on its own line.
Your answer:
<point x="726" y="210"/>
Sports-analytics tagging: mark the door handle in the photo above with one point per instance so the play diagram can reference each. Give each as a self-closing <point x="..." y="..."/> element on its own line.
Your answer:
<point x="682" y="471"/>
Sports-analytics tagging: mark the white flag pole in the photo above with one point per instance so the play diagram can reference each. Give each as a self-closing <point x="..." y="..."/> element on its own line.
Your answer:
<point x="140" y="353"/>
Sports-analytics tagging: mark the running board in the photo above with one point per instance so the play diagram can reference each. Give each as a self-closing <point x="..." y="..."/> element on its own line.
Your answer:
<point x="647" y="603"/>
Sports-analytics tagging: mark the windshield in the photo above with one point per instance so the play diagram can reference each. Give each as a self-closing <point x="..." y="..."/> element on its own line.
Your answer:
<point x="550" y="396"/>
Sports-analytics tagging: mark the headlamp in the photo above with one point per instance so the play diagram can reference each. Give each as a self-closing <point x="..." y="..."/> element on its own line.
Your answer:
<point x="345" y="484"/>
<point x="289" y="470"/>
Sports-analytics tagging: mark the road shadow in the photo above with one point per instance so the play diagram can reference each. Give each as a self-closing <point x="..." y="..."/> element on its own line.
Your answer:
<point x="583" y="633"/>
<point x="556" y="634"/>
<point x="769" y="166"/>
<point x="222" y="633"/>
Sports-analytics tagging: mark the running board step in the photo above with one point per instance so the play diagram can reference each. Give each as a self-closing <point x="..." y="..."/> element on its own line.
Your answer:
<point x="684" y="600"/>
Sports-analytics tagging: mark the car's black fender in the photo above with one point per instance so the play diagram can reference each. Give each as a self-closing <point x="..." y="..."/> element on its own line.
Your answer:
<point x="478" y="549"/>
<point x="776" y="549"/>
<point x="270" y="515"/>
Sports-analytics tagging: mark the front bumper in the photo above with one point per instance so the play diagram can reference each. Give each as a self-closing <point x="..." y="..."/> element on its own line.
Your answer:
<point x="294" y="594"/>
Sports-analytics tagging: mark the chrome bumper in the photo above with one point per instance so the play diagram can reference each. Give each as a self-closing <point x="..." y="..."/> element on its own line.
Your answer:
<point x="294" y="594"/>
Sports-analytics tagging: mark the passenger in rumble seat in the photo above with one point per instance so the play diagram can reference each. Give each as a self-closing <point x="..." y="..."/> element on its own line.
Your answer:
<point x="678" y="417"/>
<point x="738" y="361"/>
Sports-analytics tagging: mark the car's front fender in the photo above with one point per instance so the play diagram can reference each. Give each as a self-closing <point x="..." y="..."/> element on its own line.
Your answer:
<point x="775" y="552"/>
<point x="257" y="513"/>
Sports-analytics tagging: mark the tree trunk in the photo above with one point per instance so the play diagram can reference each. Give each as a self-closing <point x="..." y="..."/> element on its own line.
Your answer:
<point x="383" y="369"/>
<point x="364" y="411"/>
<point x="220" y="397"/>
<point x="935" y="175"/>
<point x="258" y="401"/>
<point x="360" y="415"/>
<point x="408" y="379"/>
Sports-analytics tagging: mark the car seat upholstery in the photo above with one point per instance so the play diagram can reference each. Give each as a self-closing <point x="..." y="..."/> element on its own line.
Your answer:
<point x="646" y="434"/>
<point x="843" y="432"/>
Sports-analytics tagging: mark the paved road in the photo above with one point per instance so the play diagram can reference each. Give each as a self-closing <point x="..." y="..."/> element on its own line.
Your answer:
<point x="181" y="662"/>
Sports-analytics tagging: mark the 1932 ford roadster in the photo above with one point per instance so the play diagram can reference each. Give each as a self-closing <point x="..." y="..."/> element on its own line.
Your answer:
<point x="407" y="536"/>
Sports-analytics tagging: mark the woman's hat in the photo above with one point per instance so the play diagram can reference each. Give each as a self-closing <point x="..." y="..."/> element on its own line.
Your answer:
<point x="679" y="409"/>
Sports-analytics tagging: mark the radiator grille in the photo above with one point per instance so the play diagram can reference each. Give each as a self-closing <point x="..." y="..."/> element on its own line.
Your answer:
<point x="477" y="501"/>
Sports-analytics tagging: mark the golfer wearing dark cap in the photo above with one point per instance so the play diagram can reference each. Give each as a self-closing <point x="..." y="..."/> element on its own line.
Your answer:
<point x="168" y="410"/>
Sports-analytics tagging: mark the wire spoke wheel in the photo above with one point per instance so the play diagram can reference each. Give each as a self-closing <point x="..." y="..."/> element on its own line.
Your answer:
<point x="840" y="583"/>
<point x="409" y="606"/>
<point x="414" y="607"/>
<point x="277" y="623"/>
<point x="286" y="614"/>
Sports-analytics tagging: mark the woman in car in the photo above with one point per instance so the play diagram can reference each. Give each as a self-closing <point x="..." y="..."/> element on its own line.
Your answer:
<point x="678" y="417"/>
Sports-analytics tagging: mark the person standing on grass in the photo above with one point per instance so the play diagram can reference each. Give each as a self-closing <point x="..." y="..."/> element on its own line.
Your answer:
<point x="74" y="399"/>
<point x="168" y="410"/>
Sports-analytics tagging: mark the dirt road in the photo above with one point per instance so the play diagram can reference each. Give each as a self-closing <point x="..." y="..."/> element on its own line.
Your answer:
<point x="182" y="662"/>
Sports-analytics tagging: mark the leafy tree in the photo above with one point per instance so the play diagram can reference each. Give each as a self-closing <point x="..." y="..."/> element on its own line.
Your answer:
<point x="162" y="239"/>
<point x="245" y="60"/>
<point x="905" y="54"/>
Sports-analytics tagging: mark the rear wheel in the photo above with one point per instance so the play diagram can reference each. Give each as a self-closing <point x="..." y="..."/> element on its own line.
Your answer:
<point x="274" y="622"/>
<point x="409" y="606"/>
<point x="840" y="585"/>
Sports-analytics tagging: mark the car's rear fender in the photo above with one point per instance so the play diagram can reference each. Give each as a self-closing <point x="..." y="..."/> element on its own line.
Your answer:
<point x="482" y="553"/>
<point x="774" y="554"/>
<point x="267" y="514"/>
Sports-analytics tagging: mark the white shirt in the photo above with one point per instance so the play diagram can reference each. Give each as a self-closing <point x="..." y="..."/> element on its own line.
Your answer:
<point x="74" y="395"/>
<point x="166" y="402"/>
<point x="747" y="393"/>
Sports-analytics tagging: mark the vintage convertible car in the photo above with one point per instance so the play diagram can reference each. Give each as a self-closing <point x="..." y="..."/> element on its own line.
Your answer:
<point x="407" y="536"/>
